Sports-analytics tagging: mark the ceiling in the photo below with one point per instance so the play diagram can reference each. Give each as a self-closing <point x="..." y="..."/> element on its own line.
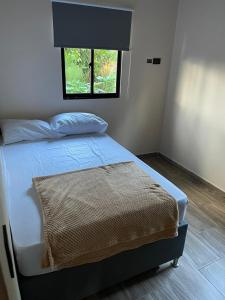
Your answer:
<point x="112" y="3"/>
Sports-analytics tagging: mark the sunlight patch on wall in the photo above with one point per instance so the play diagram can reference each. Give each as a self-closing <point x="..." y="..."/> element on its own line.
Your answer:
<point x="199" y="90"/>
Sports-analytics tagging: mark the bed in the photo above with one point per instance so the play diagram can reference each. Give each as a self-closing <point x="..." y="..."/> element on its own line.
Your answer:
<point x="25" y="160"/>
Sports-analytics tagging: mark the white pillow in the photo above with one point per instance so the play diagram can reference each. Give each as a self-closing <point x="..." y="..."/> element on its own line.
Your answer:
<point x="14" y="130"/>
<point x="77" y="123"/>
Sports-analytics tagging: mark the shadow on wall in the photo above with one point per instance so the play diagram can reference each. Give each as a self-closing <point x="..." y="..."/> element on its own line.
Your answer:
<point x="145" y="122"/>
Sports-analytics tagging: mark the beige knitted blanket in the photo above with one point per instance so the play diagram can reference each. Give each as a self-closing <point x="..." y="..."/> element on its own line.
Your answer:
<point x="92" y="214"/>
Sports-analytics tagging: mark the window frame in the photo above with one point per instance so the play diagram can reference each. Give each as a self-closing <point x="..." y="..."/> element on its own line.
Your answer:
<point x="91" y="95"/>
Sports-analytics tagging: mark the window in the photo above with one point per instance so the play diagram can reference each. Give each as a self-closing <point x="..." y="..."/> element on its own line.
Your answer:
<point x="90" y="73"/>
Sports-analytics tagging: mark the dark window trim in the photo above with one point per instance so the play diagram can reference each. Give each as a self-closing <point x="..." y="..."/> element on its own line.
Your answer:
<point x="91" y="95"/>
<point x="8" y="252"/>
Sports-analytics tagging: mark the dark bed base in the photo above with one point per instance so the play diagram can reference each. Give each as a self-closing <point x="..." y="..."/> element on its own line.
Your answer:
<point x="79" y="282"/>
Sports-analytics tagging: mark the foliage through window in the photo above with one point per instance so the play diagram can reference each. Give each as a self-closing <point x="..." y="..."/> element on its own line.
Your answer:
<point x="91" y="73"/>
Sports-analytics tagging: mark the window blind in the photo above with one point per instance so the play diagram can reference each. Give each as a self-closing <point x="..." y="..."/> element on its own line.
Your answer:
<point x="92" y="27"/>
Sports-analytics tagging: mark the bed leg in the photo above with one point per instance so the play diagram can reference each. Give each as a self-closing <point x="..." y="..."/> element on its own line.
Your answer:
<point x="175" y="263"/>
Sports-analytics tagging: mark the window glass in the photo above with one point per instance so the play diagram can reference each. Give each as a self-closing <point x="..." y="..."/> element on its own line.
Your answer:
<point x="90" y="73"/>
<point x="105" y="71"/>
<point x="77" y="71"/>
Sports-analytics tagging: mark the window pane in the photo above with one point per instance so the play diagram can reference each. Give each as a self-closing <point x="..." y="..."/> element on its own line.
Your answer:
<point x="77" y="71"/>
<point x="105" y="71"/>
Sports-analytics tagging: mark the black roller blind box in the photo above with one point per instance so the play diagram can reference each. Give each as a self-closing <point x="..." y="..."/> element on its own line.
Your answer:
<point x="92" y="27"/>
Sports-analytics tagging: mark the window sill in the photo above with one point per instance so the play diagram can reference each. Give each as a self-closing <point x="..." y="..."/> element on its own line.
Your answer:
<point x="89" y="96"/>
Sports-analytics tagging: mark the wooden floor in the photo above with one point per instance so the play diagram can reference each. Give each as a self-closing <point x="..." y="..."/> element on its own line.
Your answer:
<point x="201" y="275"/>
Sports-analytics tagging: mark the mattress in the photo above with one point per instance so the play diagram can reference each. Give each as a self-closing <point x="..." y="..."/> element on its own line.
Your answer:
<point x="47" y="157"/>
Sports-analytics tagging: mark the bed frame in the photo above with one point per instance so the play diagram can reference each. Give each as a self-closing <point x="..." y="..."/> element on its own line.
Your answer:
<point x="79" y="282"/>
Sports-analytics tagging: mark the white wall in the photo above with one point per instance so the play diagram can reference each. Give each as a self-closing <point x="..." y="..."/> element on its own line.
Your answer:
<point x="30" y="69"/>
<point x="194" y="125"/>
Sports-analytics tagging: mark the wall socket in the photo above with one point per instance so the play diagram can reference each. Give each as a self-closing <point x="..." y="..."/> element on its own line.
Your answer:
<point x="154" y="61"/>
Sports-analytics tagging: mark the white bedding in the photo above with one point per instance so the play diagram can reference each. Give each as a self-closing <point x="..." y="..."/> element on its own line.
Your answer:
<point x="47" y="157"/>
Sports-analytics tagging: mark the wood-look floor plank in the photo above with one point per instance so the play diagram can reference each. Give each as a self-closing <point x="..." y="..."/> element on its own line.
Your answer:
<point x="215" y="237"/>
<point x="215" y="213"/>
<point x="183" y="283"/>
<point x="201" y="252"/>
<point x="197" y="220"/>
<point x="215" y="273"/>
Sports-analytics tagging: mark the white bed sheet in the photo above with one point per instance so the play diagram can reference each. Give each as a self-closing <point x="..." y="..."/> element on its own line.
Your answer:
<point x="29" y="159"/>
